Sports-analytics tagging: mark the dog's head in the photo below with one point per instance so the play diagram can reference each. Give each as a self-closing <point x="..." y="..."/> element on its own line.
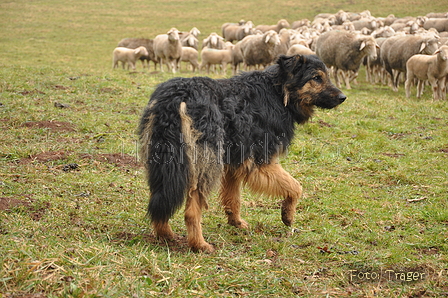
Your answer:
<point x="306" y="83"/>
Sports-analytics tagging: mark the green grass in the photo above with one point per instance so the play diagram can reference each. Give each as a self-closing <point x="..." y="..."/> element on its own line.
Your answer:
<point x="82" y="232"/>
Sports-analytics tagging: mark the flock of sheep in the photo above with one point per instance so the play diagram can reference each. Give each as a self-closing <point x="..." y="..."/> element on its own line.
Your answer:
<point x="387" y="46"/>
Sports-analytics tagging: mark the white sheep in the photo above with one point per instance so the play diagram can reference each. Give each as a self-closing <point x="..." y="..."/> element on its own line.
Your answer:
<point x="168" y="49"/>
<point x="128" y="56"/>
<point x="298" y="49"/>
<point x="190" y="39"/>
<point x="214" y="41"/>
<point x="190" y="55"/>
<point x="217" y="57"/>
<point x="432" y="68"/>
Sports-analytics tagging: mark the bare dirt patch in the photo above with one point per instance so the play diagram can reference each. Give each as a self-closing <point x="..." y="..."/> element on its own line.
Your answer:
<point x="9" y="203"/>
<point x="31" y="92"/>
<point x="51" y="125"/>
<point x="46" y="157"/>
<point x="119" y="159"/>
<point x="16" y="295"/>
<point x="35" y="211"/>
<point x="177" y="244"/>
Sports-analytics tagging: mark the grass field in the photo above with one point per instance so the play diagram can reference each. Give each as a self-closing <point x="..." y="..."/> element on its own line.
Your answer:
<point x="73" y="196"/>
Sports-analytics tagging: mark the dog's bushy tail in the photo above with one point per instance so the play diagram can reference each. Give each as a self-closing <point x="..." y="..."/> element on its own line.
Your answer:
<point x="166" y="138"/>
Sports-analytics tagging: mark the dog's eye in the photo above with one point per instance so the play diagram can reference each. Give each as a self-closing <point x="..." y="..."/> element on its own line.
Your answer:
<point x="317" y="79"/>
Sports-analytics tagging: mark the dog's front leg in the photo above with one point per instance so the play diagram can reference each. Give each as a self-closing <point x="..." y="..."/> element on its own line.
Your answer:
<point x="271" y="179"/>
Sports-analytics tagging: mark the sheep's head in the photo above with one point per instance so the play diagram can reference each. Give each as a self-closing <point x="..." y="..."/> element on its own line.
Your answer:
<point x="342" y="16"/>
<point x="442" y="53"/>
<point x="195" y="32"/>
<point x="191" y="41"/>
<point x="369" y="46"/>
<point x="213" y="39"/>
<point x="283" y="23"/>
<point x="173" y="34"/>
<point x="229" y="45"/>
<point x="141" y="51"/>
<point x="247" y="28"/>
<point x="271" y="37"/>
<point x="429" y="46"/>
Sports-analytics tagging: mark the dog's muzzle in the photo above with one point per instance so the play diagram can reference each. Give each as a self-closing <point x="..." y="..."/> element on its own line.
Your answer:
<point x="342" y="97"/>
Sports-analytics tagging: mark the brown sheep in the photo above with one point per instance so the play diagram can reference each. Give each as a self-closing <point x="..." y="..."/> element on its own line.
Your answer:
<point x="396" y="50"/>
<point x="133" y="43"/>
<point x="259" y="50"/>
<point x="440" y="25"/>
<point x="237" y="32"/>
<point x="345" y="52"/>
<point x="280" y="25"/>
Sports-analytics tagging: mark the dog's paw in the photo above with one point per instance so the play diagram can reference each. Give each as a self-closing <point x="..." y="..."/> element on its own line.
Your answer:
<point x="287" y="218"/>
<point x="204" y="247"/>
<point x="240" y="223"/>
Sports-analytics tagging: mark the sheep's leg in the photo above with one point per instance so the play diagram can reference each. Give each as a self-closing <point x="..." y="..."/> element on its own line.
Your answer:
<point x="224" y="68"/>
<point x="369" y="74"/>
<point x="408" y="83"/>
<point x="173" y="66"/>
<point x="442" y="88"/>
<point x="420" y="88"/>
<point x="161" y="64"/>
<point x="345" y="76"/>
<point x="395" y="79"/>
<point x="353" y="76"/>
<point x="336" y="78"/>
<point x="435" y="88"/>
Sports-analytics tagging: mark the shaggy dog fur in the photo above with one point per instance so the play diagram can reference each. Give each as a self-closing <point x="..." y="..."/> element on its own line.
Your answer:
<point x="197" y="132"/>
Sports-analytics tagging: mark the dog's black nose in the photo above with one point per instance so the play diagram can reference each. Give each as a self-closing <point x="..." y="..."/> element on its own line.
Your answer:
<point x="342" y="97"/>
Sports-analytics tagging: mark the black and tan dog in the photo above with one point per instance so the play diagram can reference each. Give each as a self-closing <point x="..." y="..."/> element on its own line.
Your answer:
<point x="197" y="132"/>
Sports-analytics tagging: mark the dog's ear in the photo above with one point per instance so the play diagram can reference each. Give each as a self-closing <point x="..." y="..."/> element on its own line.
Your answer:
<point x="289" y="66"/>
<point x="284" y="61"/>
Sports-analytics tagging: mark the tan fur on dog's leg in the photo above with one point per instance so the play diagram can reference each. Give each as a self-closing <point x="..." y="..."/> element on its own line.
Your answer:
<point x="231" y="198"/>
<point x="273" y="180"/>
<point x="163" y="230"/>
<point x="193" y="212"/>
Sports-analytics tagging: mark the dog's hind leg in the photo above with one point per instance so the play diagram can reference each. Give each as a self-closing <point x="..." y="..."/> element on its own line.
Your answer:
<point x="193" y="212"/>
<point x="231" y="198"/>
<point x="273" y="180"/>
<point x="163" y="230"/>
